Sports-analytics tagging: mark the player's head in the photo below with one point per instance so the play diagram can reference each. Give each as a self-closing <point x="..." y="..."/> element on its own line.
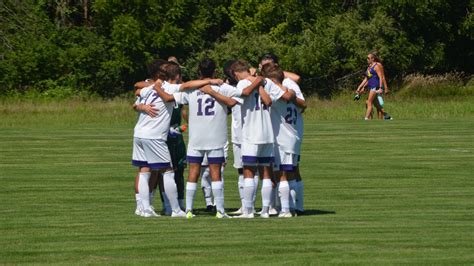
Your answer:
<point x="173" y="59"/>
<point x="273" y="72"/>
<point x="372" y="57"/>
<point x="206" y="68"/>
<point x="241" y="69"/>
<point x="229" y="73"/>
<point x="173" y="71"/>
<point x="155" y="69"/>
<point x="268" y="58"/>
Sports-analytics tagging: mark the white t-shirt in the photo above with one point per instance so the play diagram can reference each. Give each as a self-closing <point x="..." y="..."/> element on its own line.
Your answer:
<point x="207" y="117"/>
<point x="291" y="85"/>
<point x="157" y="127"/>
<point x="285" y="117"/>
<point x="256" y="121"/>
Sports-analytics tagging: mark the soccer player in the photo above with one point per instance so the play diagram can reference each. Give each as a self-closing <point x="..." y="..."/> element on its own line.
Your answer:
<point x="290" y="82"/>
<point x="284" y="116"/>
<point x="150" y="151"/>
<point x="207" y="132"/>
<point x="257" y="134"/>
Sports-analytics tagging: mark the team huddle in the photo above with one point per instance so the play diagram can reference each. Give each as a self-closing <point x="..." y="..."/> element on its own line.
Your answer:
<point x="267" y="130"/>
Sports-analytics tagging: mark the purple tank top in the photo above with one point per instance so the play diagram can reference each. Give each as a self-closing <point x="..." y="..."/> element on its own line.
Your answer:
<point x="373" y="78"/>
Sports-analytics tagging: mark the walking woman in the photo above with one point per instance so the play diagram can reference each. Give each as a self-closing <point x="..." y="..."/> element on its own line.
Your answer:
<point x="375" y="81"/>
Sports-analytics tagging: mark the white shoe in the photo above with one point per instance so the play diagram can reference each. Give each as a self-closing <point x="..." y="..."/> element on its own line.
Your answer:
<point x="178" y="214"/>
<point x="264" y="215"/>
<point x="285" y="215"/>
<point x="220" y="215"/>
<point x="149" y="213"/>
<point x="138" y="211"/>
<point x="244" y="216"/>
<point x="272" y="211"/>
<point x="237" y="212"/>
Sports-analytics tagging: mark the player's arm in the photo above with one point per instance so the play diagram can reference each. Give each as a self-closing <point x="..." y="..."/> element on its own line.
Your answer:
<point x="381" y="77"/>
<point x="163" y="95"/>
<point x="257" y="81"/>
<point x="384" y="80"/>
<point x="265" y="97"/>
<point x="193" y="84"/>
<point x="219" y="97"/>
<point x="293" y="76"/>
<point x="289" y="95"/>
<point x="146" y="108"/>
<point x="362" y="85"/>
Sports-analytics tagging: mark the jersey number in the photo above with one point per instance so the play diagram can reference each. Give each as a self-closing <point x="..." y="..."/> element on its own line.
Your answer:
<point x="291" y="115"/>
<point x="258" y="103"/>
<point x="209" y="105"/>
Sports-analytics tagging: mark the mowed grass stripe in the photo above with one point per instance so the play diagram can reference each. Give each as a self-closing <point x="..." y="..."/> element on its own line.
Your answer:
<point x="376" y="192"/>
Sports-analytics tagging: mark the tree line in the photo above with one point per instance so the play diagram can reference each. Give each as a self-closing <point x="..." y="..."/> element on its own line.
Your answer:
<point x="102" y="46"/>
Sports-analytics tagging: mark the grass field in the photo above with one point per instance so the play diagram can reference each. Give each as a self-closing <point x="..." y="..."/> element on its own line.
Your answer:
<point x="376" y="192"/>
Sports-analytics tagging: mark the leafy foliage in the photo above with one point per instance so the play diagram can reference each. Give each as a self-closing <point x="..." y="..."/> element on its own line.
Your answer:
<point x="99" y="46"/>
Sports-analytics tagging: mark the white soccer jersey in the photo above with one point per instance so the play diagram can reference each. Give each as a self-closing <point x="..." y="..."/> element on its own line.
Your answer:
<point x="256" y="121"/>
<point x="290" y="84"/>
<point x="207" y="117"/>
<point x="285" y="117"/>
<point x="236" y="126"/>
<point x="157" y="127"/>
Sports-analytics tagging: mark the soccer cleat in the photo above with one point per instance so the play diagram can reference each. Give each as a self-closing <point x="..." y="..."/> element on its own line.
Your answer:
<point x="138" y="212"/>
<point x="273" y="211"/>
<point x="237" y="212"/>
<point x="387" y="117"/>
<point x="149" y="213"/>
<point x="264" y="215"/>
<point x="285" y="215"/>
<point x="178" y="214"/>
<point x="357" y="97"/>
<point x="190" y="215"/>
<point x="220" y="215"/>
<point x="244" y="216"/>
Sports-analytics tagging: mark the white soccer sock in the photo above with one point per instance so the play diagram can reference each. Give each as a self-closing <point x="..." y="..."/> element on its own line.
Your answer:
<point x="137" y="199"/>
<point x="206" y="185"/>
<point x="144" y="190"/>
<point x="284" y="192"/>
<point x="266" y="194"/>
<point x="241" y="189"/>
<point x="293" y="185"/>
<point x="299" y="195"/>
<point x="276" y="197"/>
<point x="218" y="192"/>
<point x="190" y="194"/>
<point x="171" y="190"/>
<point x="249" y="187"/>
<point x="256" y="179"/>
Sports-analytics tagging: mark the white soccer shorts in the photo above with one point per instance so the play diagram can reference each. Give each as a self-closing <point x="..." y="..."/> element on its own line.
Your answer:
<point x="215" y="156"/>
<point x="151" y="153"/>
<point x="285" y="161"/>
<point x="257" y="154"/>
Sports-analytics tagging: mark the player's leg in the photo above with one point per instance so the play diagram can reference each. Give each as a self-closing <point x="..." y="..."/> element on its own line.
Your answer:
<point x="265" y="159"/>
<point x="249" y="161"/>
<point x="206" y="184"/>
<point x="140" y="159"/>
<point x="216" y="159"/>
<point x="299" y="208"/>
<point x="240" y="171"/>
<point x="161" y="161"/>
<point x="287" y="182"/>
<point x="369" y="102"/>
<point x="194" y="158"/>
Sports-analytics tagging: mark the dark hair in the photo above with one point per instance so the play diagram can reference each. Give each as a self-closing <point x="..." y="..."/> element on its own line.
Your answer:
<point x="154" y="68"/>
<point x="240" y="66"/>
<point x="229" y="73"/>
<point x="172" y="70"/>
<point x="206" y="68"/>
<point x="270" y="56"/>
<point x="273" y="71"/>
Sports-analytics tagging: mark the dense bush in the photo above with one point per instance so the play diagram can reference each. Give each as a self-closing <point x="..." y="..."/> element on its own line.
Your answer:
<point x="103" y="47"/>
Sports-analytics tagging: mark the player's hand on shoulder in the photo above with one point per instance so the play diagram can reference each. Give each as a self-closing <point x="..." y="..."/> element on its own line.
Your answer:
<point x="206" y="89"/>
<point x="217" y="82"/>
<point x="158" y="83"/>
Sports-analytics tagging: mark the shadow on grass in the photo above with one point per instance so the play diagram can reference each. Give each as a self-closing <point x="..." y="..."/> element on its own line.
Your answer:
<point x="204" y="212"/>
